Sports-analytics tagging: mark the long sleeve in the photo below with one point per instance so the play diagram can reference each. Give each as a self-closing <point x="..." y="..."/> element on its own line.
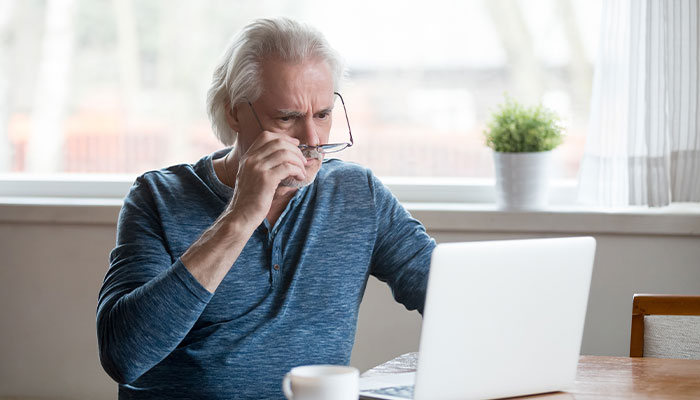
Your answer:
<point x="402" y="251"/>
<point x="148" y="301"/>
<point x="291" y="298"/>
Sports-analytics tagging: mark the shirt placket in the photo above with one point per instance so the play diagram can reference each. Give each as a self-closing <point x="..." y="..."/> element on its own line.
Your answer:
<point x="274" y="242"/>
<point x="275" y="259"/>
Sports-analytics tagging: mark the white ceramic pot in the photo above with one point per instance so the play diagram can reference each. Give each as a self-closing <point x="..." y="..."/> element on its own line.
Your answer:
<point x="522" y="180"/>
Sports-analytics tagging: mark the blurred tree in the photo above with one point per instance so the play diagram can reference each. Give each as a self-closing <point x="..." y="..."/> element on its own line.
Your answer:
<point x="6" y="12"/>
<point x="128" y="51"/>
<point x="580" y="69"/>
<point x="182" y="27"/>
<point x="524" y="68"/>
<point x="45" y="144"/>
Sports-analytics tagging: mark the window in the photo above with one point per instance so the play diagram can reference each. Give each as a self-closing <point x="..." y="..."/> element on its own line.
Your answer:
<point x="98" y="86"/>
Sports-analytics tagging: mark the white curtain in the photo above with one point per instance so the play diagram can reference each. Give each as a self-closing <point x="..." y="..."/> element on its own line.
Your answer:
<point x="643" y="145"/>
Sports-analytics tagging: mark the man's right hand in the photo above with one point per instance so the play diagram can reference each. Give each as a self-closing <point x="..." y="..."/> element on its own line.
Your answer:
<point x="272" y="158"/>
<point x="269" y="160"/>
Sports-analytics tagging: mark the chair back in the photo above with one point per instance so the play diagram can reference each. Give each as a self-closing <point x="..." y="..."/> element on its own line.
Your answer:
<point x="665" y="326"/>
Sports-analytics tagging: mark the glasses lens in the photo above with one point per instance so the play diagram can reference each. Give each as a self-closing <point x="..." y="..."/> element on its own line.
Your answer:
<point x="332" y="147"/>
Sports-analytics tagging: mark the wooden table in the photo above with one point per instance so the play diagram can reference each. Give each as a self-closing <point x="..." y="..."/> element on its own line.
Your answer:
<point x="601" y="377"/>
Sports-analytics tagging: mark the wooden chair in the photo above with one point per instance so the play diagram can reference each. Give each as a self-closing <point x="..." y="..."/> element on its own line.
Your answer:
<point x="672" y="326"/>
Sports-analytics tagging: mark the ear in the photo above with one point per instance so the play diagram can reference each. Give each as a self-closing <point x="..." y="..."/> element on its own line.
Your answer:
<point x="232" y="117"/>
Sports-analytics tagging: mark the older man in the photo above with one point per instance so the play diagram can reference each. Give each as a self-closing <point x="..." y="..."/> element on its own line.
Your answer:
<point x="231" y="271"/>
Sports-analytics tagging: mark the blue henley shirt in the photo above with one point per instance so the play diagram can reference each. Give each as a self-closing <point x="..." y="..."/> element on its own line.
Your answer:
<point x="291" y="298"/>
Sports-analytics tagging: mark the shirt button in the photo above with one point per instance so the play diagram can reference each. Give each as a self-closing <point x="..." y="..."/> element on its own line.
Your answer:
<point x="276" y="267"/>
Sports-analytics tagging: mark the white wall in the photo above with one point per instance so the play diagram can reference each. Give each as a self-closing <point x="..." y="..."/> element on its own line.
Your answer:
<point x="49" y="280"/>
<point x="52" y="268"/>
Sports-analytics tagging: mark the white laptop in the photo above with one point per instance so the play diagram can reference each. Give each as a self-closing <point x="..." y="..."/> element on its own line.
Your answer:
<point x="501" y="319"/>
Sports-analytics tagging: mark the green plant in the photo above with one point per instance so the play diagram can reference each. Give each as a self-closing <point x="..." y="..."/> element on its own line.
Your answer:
<point x="518" y="129"/>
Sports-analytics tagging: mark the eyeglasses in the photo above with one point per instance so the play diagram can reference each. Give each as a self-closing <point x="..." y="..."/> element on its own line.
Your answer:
<point x="321" y="148"/>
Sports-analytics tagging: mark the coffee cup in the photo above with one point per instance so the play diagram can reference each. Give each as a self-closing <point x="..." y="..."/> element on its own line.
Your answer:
<point x="322" y="382"/>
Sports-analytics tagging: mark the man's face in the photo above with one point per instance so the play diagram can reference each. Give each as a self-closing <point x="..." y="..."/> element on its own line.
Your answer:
<point x="297" y="100"/>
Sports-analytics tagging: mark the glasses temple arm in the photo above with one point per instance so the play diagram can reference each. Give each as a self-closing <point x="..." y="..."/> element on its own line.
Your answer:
<point x="345" y="110"/>
<point x="255" y="115"/>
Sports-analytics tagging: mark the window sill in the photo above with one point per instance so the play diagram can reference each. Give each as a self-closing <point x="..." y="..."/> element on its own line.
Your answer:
<point x="675" y="220"/>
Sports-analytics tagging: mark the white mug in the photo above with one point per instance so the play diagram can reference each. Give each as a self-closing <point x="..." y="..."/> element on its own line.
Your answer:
<point x="322" y="382"/>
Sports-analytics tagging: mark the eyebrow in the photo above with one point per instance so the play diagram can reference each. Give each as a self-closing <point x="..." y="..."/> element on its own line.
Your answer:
<point x="294" y="113"/>
<point x="325" y="110"/>
<point x="290" y="113"/>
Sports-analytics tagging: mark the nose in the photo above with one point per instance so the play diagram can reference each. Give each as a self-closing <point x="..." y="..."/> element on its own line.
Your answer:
<point x="308" y="133"/>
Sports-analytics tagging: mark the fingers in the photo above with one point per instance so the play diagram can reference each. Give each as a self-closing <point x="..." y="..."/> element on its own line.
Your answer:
<point x="274" y="150"/>
<point x="269" y="142"/>
<point x="276" y="146"/>
<point x="272" y="158"/>
<point x="283" y="171"/>
<point x="269" y="139"/>
<point x="282" y="157"/>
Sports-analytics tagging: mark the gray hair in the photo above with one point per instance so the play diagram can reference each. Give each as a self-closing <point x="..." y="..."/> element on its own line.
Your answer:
<point x="237" y="77"/>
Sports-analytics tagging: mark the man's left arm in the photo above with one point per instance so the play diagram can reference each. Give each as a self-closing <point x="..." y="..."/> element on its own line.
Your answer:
<point x="402" y="249"/>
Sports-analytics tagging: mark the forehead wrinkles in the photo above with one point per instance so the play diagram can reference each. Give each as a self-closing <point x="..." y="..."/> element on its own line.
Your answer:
<point x="297" y="86"/>
<point x="305" y="103"/>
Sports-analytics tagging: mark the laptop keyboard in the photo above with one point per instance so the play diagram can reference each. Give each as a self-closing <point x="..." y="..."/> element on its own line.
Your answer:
<point x="405" y="392"/>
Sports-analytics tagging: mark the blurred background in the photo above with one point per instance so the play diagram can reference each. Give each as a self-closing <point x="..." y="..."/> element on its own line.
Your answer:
<point x="119" y="86"/>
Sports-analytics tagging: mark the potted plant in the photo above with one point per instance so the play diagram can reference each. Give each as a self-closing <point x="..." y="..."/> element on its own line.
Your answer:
<point x="522" y="139"/>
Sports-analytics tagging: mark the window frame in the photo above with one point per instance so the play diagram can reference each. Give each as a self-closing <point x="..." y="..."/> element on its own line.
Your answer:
<point x="444" y="206"/>
<point x="406" y="189"/>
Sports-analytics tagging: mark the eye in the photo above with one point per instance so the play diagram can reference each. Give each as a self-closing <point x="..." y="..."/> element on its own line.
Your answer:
<point x="323" y="114"/>
<point x="286" y="118"/>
